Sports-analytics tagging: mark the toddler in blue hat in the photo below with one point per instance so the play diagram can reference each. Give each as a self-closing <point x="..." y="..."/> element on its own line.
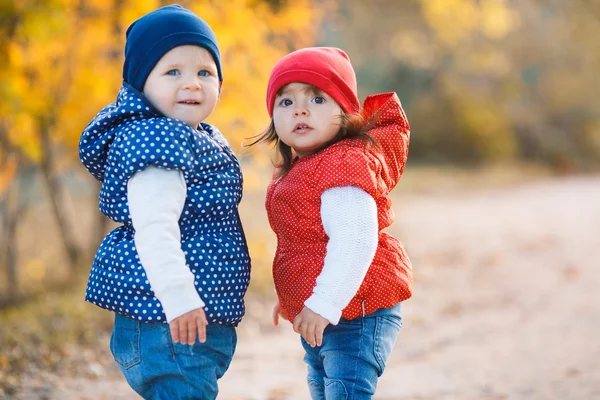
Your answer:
<point x="177" y="267"/>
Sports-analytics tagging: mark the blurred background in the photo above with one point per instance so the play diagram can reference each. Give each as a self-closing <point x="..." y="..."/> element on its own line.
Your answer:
<point x="502" y="97"/>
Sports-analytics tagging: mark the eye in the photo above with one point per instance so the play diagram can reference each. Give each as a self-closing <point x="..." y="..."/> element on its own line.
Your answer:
<point x="173" y="72"/>
<point x="318" y="99"/>
<point x="285" y="103"/>
<point x="204" y="72"/>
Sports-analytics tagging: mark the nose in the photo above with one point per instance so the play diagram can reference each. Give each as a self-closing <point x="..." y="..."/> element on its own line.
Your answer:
<point x="301" y="110"/>
<point x="192" y="83"/>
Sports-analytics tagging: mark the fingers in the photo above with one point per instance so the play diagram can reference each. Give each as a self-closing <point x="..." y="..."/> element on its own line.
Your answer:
<point x="319" y="336"/>
<point x="184" y="328"/>
<point x="297" y="324"/>
<point x="276" y="311"/>
<point x="309" y="334"/>
<point x="306" y="329"/>
<point x="183" y="331"/>
<point x="191" y="332"/>
<point x="201" y="324"/>
<point x="174" y="327"/>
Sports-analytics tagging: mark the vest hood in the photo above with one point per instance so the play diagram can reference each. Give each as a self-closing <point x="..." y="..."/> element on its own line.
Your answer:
<point x="97" y="137"/>
<point x="392" y="150"/>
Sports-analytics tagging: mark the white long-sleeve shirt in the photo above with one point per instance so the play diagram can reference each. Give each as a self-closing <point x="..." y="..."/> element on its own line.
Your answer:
<point x="349" y="217"/>
<point x="156" y="198"/>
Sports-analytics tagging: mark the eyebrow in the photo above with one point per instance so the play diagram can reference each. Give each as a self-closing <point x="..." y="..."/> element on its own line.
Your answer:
<point x="307" y="89"/>
<point x="201" y="65"/>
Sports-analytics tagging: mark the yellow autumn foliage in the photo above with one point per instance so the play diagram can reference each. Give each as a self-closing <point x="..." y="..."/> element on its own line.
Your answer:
<point x="64" y="63"/>
<point x="455" y="21"/>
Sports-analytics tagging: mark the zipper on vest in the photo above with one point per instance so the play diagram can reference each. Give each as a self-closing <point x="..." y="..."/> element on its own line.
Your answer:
<point x="363" y="308"/>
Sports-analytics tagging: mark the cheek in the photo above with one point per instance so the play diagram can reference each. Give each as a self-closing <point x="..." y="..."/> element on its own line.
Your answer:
<point x="157" y="96"/>
<point x="278" y="120"/>
<point x="334" y="127"/>
<point x="278" y="128"/>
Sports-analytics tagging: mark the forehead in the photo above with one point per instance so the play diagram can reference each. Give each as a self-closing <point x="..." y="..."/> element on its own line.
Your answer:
<point x="188" y="53"/>
<point x="296" y="87"/>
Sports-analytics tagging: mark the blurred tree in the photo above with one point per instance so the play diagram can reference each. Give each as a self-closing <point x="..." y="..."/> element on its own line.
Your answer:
<point x="63" y="64"/>
<point x="12" y="207"/>
<point x="41" y="67"/>
<point x="503" y="79"/>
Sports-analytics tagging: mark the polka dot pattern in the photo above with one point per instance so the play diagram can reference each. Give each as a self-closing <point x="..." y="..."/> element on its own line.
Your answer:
<point x="293" y="206"/>
<point x="126" y="137"/>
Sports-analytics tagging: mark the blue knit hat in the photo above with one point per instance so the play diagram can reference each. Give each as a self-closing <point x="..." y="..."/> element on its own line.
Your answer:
<point x="153" y="35"/>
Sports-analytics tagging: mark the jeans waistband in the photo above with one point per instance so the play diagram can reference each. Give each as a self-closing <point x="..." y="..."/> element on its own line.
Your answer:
<point x="393" y="311"/>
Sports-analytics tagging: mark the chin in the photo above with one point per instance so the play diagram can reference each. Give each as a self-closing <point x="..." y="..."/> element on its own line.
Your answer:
<point x="193" y="124"/>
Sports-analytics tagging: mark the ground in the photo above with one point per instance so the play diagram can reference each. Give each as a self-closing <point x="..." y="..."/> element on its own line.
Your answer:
<point x="506" y="305"/>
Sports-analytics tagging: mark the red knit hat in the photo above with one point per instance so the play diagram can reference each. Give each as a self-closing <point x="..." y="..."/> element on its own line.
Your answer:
<point x="327" y="68"/>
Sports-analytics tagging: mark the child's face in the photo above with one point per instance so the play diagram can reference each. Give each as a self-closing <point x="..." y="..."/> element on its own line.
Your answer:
<point x="184" y="84"/>
<point x="305" y="118"/>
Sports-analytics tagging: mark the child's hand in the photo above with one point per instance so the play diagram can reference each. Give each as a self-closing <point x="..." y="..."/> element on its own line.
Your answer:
<point x="185" y="327"/>
<point x="311" y="326"/>
<point x="276" y="314"/>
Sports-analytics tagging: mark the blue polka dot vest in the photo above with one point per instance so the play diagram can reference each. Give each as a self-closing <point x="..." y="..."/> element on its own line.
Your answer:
<point x="126" y="137"/>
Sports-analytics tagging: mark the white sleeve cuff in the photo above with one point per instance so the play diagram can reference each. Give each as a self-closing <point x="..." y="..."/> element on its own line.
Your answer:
<point x="179" y="299"/>
<point x="319" y="305"/>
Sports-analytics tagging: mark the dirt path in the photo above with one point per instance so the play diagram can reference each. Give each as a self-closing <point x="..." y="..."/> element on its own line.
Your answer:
<point x="506" y="305"/>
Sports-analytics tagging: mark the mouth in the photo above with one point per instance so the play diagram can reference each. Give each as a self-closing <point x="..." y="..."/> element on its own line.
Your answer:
<point x="189" y="102"/>
<point x="302" y="128"/>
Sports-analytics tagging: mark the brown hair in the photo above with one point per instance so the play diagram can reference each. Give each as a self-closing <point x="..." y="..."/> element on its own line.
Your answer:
<point x="352" y="126"/>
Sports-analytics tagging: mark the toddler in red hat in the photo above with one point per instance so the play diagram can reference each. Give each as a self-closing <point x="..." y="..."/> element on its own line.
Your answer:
<point x="339" y="278"/>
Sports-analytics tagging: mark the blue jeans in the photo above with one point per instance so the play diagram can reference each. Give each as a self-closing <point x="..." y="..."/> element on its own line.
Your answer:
<point x="157" y="368"/>
<point x="352" y="356"/>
